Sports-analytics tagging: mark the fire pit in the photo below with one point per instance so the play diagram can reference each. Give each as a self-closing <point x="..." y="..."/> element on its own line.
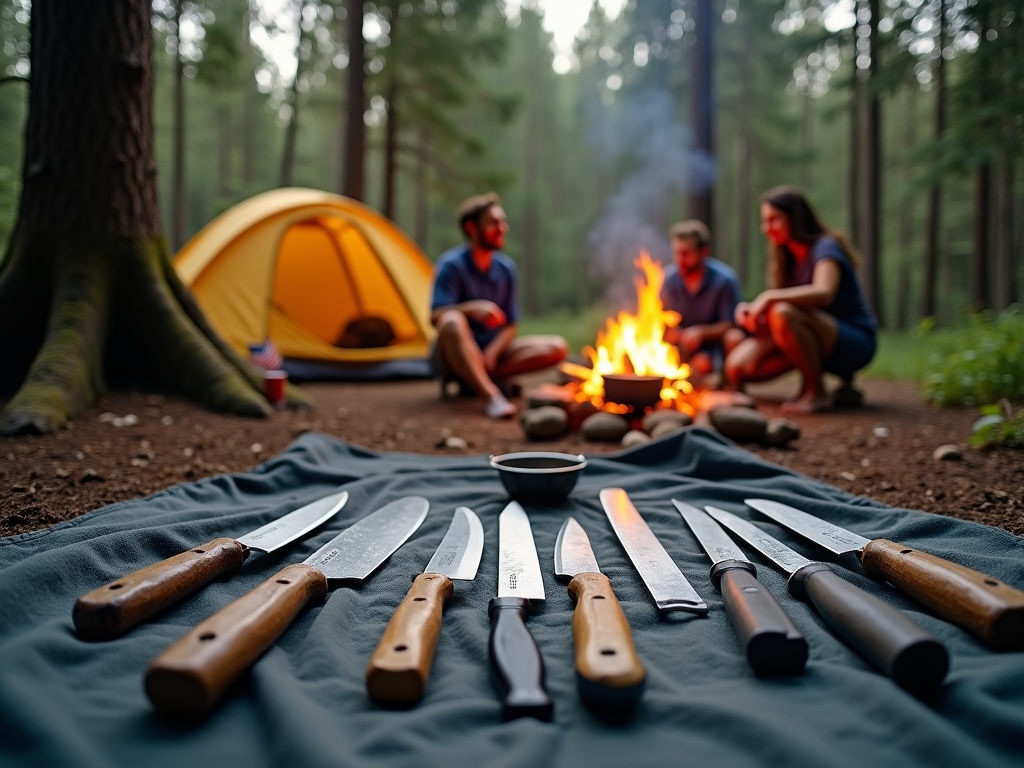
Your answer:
<point x="638" y="392"/>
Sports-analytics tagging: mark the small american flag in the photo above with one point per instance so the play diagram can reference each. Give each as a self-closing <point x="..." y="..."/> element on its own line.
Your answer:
<point x="266" y="356"/>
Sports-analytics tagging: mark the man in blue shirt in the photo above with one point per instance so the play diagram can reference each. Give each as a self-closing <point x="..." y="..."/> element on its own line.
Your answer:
<point x="705" y="292"/>
<point x="475" y="308"/>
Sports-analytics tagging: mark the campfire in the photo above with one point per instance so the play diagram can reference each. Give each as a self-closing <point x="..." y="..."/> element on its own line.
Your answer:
<point x="632" y="368"/>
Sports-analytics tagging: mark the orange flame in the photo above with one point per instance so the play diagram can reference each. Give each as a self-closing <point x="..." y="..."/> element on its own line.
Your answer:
<point x="634" y="344"/>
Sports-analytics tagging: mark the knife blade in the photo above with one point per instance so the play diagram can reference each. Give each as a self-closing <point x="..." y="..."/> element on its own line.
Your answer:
<point x="894" y="644"/>
<point x="400" y="666"/>
<point x="983" y="605"/>
<point x="111" y="610"/>
<point x="189" y="677"/>
<point x="666" y="583"/>
<point x="771" y="641"/>
<point x="608" y="670"/>
<point x="515" y="657"/>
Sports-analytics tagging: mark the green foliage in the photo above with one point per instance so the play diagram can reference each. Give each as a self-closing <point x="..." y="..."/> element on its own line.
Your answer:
<point x="999" y="425"/>
<point x="980" y="363"/>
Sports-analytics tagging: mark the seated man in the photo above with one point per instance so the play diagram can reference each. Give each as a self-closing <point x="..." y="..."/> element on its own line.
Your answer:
<point x="475" y="309"/>
<point x="705" y="292"/>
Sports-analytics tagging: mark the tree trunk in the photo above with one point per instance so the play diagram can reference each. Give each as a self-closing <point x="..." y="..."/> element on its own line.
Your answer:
<point x="390" y="151"/>
<point x="355" y="132"/>
<point x="1006" y="277"/>
<point x="530" y="191"/>
<point x="248" y="75"/>
<point x="979" y="244"/>
<point x="288" y="154"/>
<point x="744" y="180"/>
<point x="870" y="240"/>
<point x="88" y="268"/>
<point x="853" y="179"/>
<point x="701" y="111"/>
<point x="806" y="139"/>
<point x="906" y="236"/>
<point x="931" y="234"/>
<point x="422" y="200"/>
<point x="178" y="160"/>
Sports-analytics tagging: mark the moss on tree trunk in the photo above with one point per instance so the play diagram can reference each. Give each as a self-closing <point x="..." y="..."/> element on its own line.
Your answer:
<point x="87" y="271"/>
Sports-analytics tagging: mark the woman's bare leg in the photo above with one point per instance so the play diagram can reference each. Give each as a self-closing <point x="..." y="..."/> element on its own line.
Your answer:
<point x="805" y="336"/>
<point x="756" y="358"/>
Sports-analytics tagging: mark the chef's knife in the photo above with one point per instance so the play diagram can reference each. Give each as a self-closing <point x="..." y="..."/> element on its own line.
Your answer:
<point x="110" y="611"/>
<point x="515" y="657"/>
<point x="893" y="643"/>
<point x="400" y="666"/>
<point x="190" y="676"/>
<point x="773" y="644"/>
<point x="666" y="583"/>
<point x="607" y="668"/>
<point x="992" y="610"/>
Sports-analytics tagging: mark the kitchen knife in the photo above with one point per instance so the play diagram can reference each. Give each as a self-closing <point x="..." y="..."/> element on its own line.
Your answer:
<point x="189" y="677"/>
<point x="515" y="657"/>
<point x="608" y="670"/>
<point x="889" y="640"/>
<point x="110" y="611"/>
<point x="400" y="666"/>
<point x="985" y="606"/>
<point x="773" y="644"/>
<point x="666" y="583"/>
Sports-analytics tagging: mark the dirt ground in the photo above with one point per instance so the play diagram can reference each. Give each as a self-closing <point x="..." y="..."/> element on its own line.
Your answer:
<point x="882" y="450"/>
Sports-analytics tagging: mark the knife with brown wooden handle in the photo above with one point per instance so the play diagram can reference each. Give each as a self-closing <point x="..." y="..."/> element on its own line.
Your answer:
<point x="111" y="610"/>
<point x="609" y="672"/>
<point x="983" y="605"/>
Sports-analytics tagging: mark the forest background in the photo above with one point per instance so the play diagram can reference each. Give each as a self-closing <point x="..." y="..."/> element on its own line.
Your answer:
<point x="903" y="120"/>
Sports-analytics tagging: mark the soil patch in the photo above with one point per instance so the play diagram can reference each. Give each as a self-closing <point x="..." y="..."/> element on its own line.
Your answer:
<point x="882" y="450"/>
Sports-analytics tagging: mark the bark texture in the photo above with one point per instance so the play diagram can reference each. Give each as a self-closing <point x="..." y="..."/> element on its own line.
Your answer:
<point x="88" y="269"/>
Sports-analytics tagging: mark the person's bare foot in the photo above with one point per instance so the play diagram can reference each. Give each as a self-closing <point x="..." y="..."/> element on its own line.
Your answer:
<point x="808" y="403"/>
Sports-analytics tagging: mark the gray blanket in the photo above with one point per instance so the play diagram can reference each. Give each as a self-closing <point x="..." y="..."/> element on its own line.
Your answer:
<point x="65" y="702"/>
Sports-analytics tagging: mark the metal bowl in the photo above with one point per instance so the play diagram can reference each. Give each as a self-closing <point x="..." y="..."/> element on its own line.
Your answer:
<point x="539" y="477"/>
<point x="641" y="392"/>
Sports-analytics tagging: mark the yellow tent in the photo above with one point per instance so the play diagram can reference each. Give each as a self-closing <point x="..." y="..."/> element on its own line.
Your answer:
<point x="303" y="268"/>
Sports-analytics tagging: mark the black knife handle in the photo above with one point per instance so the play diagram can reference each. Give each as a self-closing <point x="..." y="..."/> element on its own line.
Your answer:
<point x="912" y="657"/>
<point x="773" y="644"/>
<point x="516" y="660"/>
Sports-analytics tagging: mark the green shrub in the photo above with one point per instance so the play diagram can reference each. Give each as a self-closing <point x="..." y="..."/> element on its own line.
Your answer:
<point x="999" y="425"/>
<point x="981" y="363"/>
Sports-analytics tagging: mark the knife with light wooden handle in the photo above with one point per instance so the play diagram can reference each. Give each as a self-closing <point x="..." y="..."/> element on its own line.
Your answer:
<point x="609" y="671"/>
<point x="983" y="605"/>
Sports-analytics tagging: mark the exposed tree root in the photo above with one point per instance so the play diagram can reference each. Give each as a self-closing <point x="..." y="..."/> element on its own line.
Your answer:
<point x="123" y="288"/>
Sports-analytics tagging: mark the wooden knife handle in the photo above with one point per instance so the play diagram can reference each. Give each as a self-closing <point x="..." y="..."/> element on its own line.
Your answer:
<point x="516" y="660"/>
<point x="400" y="666"/>
<point x="985" y="606"/>
<point x="773" y="644"/>
<point x="912" y="657"/>
<point x="189" y="677"/>
<point x="110" y="611"/>
<point x="609" y="672"/>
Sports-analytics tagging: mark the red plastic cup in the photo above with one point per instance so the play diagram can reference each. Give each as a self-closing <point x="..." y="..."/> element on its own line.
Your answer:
<point x="273" y="387"/>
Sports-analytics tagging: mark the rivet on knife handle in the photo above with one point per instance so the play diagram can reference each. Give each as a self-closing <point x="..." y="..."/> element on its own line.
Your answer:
<point x="113" y="609"/>
<point x="993" y="611"/>
<point x="609" y="670"/>
<point x="400" y="666"/>
<point x="516" y="660"/>
<point x="772" y="643"/>
<point x="189" y="677"/>
<point x="912" y="657"/>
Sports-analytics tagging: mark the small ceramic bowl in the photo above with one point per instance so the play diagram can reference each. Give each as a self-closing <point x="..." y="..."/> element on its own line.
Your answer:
<point x="539" y="477"/>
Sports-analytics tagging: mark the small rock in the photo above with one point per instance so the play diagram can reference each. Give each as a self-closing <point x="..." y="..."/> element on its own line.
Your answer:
<point x="781" y="431"/>
<point x="882" y="432"/>
<point x="167" y="421"/>
<point x="849" y="476"/>
<point x="256" y="448"/>
<point x="865" y="463"/>
<point x="455" y="443"/>
<point x="548" y="394"/>
<point x="544" y="423"/>
<point x="61" y="472"/>
<point x="666" y="427"/>
<point x="108" y="416"/>
<point x="91" y="476"/>
<point x="741" y="425"/>
<point x="635" y="437"/>
<point x="579" y="413"/>
<point x="948" y="452"/>
<point x="653" y="419"/>
<point x="604" y="427"/>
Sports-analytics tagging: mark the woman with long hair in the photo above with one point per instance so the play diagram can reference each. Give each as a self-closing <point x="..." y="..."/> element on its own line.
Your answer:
<point x="814" y="316"/>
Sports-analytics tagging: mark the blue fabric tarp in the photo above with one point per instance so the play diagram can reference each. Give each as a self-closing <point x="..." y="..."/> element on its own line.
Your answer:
<point x="64" y="701"/>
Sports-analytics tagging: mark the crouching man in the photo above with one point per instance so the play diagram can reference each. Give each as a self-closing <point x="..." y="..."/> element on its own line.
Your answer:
<point x="475" y="309"/>
<point x="705" y="292"/>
